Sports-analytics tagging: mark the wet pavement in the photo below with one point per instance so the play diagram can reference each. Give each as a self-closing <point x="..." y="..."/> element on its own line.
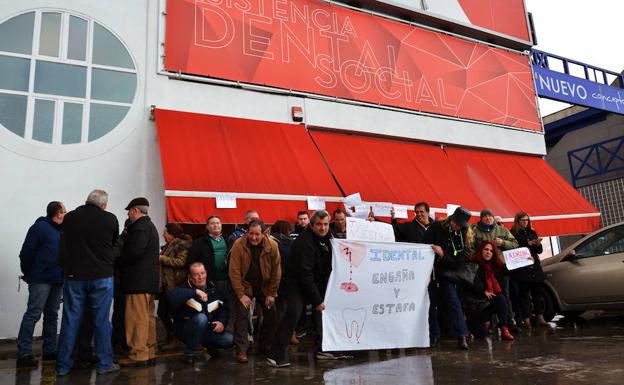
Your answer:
<point x="580" y="352"/>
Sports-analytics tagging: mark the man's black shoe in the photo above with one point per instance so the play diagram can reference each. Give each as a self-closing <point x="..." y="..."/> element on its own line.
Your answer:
<point x="461" y="343"/>
<point x="26" y="362"/>
<point x="49" y="356"/>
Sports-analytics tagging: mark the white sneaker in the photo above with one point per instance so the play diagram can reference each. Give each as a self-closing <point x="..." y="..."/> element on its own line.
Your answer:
<point x="277" y="364"/>
<point x="326" y="356"/>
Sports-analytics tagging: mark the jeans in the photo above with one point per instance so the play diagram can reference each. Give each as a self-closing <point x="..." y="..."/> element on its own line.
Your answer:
<point x="531" y="298"/>
<point x="43" y="299"/>
<point x="498" y="305"/>
<point x="99" y="294"/>
<point x="456" y="312"/>
<point x="197" y="331"/>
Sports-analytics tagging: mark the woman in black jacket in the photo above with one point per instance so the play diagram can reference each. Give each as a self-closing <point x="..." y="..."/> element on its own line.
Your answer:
<point x="486" y="296"/>
<point x="529" y="278"/>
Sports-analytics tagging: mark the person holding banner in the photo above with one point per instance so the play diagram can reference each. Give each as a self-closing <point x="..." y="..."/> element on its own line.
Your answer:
<point x="529" y="278"/>
<point x="449" y="240"/>
<point x="413" y="231"/>
<point x="486" y="297"/>
<point x="307" y="275"/>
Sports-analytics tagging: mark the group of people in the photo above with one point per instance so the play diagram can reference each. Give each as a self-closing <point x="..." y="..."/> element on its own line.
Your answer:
<point x="210" y="289"/>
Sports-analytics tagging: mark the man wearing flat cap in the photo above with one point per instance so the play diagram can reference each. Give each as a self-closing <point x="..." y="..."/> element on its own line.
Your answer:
<point x="139" y="280"/>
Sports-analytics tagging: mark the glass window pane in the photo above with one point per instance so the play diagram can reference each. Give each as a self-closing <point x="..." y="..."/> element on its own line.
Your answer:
<point x="103" y="118"/>
<point x="112" y="85"/>
<point x="13" y="113"/>
<point x="72" y="123"/>
<point x="14" y="73"/>
<point x="108" y="50"/>
<point x="16" y="34"/>
<point x="50" y="34"/>
<point x="60" y="79"/>
<point x="43" y="124"/>
<point x="77" y="45"/>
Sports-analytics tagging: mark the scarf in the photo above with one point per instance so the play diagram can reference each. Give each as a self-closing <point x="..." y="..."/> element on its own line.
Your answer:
<point x="490" y="279"/>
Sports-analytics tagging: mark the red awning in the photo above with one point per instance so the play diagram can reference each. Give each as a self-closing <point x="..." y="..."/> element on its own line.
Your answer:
<point x="269" y="167"/>
<point x="402" y="172"/>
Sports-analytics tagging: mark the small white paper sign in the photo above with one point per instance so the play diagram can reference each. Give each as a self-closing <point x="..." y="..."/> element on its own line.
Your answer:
<point x="316" y="203"/>
<point x="450" y="209"/>
<point x="400" y="212"/>
<point x="361" y="211"/>
<point x="382" y="209"/>
<point x="517" y="258"/>
<point x="352" y="200"/>
<point x="363" y="230"/>
<point x="226" y="201"/>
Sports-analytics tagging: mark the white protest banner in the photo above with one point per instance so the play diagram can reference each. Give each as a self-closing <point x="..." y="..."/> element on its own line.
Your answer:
<point x="316" y="203"/>
<point x="382" y="209"/>
<point x="226" y="201"/>
<point x="517" y="258"/>
<point x="363" y="230"/>
<point x="377" y="296"/>
<point x="352" y="200"/>
<point x="400" y="212"/>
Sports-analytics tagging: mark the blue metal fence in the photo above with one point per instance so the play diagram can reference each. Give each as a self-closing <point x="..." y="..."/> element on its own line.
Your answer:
<point x="596" y="159"/>
<point x="540" y="59"/>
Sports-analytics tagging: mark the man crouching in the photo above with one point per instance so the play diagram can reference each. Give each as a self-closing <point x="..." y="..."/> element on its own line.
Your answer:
<point x="199" y="314"/>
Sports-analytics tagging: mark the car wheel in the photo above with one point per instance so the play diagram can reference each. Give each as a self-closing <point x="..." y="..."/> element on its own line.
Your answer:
<point x="550" y="305"/>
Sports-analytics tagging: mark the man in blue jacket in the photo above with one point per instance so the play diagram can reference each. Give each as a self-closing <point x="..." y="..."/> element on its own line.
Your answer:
<point x="39" y="264"/>
<point x="200" y="314"/>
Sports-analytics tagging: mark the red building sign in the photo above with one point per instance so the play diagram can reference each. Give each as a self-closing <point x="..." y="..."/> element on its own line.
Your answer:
<point x="323" y="49"/>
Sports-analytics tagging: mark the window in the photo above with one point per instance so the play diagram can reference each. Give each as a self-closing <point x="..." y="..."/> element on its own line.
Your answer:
<point x="64" y="79"/>
<point x="606" y="242"/>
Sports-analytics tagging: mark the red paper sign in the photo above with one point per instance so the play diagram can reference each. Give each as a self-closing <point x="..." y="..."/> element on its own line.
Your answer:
<point x="325" y="49"/>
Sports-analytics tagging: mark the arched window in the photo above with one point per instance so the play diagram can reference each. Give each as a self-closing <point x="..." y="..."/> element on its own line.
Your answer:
<point x="64" y="79"/>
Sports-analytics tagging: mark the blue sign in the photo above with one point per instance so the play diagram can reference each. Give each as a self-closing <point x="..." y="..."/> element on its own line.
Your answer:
<point x="573" y="90"/>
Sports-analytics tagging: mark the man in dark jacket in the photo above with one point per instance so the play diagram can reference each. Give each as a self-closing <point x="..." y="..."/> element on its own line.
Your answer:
<point x="308" y="274"/>
<point x="200" y="314"/>
<point x="250" y="215"/>
<point x="449" y="243"/>
<point x="338" y="226"/>
<point x="139" y="277"/>
<point x="413" y="231"/>
<point x="212" y="250"/>
<point x="86" y="256"/>
<point x="39" y="264"/>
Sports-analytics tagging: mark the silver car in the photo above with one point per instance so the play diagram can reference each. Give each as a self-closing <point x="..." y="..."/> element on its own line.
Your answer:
<point x="588" y="275"/>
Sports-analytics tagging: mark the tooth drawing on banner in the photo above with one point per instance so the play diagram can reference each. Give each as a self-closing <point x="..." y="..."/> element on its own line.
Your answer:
<point x="354" y="319"/>
<point x="354" y="256"/>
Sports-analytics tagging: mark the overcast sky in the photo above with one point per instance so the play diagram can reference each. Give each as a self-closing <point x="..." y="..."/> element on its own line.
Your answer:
<point x="587" y="31"/>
